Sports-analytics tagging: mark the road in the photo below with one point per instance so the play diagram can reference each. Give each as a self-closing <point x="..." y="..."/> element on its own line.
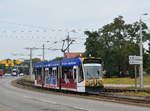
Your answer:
<point x="15" y="99"/>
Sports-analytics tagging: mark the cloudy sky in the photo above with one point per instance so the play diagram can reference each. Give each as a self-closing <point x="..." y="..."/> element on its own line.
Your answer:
<point x="29" y="23"/>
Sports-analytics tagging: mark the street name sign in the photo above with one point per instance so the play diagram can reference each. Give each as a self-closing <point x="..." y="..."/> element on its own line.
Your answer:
<point x="135" y="60"/>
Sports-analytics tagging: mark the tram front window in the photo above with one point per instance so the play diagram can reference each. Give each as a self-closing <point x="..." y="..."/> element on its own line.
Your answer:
<point x="92" y="71"/>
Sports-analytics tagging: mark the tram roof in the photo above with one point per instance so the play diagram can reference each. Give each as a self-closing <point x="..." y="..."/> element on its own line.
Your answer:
<point x="71" y="62"/>
<point x="64" y="62"/>
<point x="38" y="65"/>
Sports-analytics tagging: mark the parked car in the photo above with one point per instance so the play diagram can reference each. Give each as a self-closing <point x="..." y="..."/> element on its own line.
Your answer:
<point x="7" y="74"/>
<point x="1" y="73"/>
<point x="21" y="74"/>
<point x="14" y="72"/>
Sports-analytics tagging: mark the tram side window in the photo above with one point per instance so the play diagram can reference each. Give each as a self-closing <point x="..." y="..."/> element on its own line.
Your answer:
<point x="50" y="71"/>
<point x="57" y="72"/>
<point x="64" y="75"/>
<point x="81" y="76"/>
<point x="46" y="72"/>
<point x="70" y="73"/>
<point x="75" y="75"/>
<point x="67" y="74"/>
<point x="54" y="72"/>
<point x="38" y="74"/>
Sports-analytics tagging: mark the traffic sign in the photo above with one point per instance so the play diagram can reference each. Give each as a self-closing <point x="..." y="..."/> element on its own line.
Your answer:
<point x="135" y="60"/>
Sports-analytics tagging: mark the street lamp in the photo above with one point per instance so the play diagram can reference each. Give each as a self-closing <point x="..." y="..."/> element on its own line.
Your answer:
<point x="141" y="52"/>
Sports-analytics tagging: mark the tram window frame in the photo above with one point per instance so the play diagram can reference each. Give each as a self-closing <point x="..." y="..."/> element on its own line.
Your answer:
<point x="50" y="72"/>
<point x="68" y="71"/>
<point x="46" y="71"/>
<point x="75" y="75"/>
<point x="36" y="74"/>
<point x="57" y="72"/>
<point x="80" y="74"/>
<point x="39" y="74"/>
<point x="54" y="72"/>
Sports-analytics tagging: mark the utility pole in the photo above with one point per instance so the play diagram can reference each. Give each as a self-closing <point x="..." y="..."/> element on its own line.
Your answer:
<point x="31" y="62"/>
<point x="68" y="40"/>
<point x="135" y="77"/>
<point x="141" y="54"/>
<point x="43" y="48"/>
<point x="30" y="69"/>
<point x="43" y="52"/>
<point x="31" y="49"/>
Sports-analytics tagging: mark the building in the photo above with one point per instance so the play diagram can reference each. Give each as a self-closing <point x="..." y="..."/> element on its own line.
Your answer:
<point x="72" y="54"/>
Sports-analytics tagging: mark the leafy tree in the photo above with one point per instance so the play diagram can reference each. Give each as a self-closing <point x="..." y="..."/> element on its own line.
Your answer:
<point x="27" y="63"/>
<point x="58" y="58"/>
<point x="114" y="43"/>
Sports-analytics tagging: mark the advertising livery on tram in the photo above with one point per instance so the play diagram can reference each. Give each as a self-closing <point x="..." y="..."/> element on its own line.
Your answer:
<point x="74" y="74"/>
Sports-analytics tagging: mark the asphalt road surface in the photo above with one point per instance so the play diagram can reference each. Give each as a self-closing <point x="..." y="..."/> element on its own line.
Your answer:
<point x="15" y="99"/>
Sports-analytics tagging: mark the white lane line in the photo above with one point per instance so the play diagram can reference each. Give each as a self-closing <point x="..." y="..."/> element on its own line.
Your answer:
<point x="55" y="103"/>
<point x="41" y="100"/>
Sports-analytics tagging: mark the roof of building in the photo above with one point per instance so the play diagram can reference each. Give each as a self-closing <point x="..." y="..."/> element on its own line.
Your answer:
<point x="72" y="54"/>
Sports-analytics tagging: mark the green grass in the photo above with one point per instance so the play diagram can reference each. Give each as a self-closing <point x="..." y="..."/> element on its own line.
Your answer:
<point x="133" y="87"/>
<point x="126" y="80"/>
<point x="135" y="93"/>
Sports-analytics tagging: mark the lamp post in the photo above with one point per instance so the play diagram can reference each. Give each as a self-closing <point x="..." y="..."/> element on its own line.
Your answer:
<point x="141" y="54"/>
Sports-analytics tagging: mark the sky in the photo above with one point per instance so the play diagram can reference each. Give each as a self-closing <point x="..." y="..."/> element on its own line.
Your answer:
<point x="30" y="23"/>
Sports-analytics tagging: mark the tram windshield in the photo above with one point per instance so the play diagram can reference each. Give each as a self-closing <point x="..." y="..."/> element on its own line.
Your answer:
<point x="92" y="71"/>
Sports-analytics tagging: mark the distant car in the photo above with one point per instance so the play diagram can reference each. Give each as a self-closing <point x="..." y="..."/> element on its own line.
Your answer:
<point x="7" y="74"/>
<point x="21" y="74"/>
<point x="1" y="72"/>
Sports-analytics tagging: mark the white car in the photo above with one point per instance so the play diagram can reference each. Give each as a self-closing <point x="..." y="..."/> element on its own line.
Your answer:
<point x="7" y="74"/>
<point x="21" y="74"/>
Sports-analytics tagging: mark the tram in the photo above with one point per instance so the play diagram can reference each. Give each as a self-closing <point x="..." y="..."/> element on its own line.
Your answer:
<point x="73" y="74"/>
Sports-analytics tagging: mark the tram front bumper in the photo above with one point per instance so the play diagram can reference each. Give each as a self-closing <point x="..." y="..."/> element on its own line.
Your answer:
<point x="94" y="89"/>
<point x="93" y="85"/>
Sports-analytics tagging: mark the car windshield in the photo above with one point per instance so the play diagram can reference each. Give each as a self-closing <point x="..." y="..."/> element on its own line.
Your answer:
<point x="92" y="71"/>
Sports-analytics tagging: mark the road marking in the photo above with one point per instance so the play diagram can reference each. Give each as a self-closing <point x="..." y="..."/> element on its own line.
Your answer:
<point x="55" y="103"/>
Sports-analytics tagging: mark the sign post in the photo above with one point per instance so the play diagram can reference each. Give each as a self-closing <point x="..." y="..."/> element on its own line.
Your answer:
<point x="135" y="77"/>
<point x="135" y="60"/>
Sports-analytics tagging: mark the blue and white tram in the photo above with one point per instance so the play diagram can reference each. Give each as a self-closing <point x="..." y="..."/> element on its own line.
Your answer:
<point x="74" y="74"/>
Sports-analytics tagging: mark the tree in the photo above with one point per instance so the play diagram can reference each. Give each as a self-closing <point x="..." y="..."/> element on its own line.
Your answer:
<point x="26" y="63"/>
<point x="58" y="58"/>
<point x="92" y="43"/>
<point x="114" y="43"/>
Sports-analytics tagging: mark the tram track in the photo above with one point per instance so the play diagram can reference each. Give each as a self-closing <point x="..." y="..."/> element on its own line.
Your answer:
<point x="126" y="90"/>
<point x="108" y="94"/>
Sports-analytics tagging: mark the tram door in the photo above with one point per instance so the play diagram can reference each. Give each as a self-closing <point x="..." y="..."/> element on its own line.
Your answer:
<point x="75" y="74"/>
<point x="80" y="80"/>
<point x="54" y="77"/>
